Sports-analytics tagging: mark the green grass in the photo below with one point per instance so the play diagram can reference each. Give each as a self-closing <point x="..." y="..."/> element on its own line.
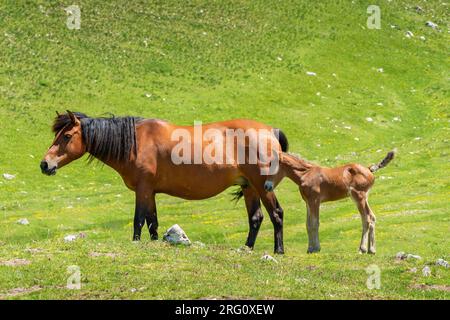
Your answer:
<point x="209" y="61"/>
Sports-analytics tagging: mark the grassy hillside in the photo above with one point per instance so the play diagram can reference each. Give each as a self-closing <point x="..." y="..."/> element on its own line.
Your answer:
<point x="209" y="61"/>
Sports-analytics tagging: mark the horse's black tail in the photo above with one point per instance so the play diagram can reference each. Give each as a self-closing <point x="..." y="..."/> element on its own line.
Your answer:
<point x="383" y="162"/>
<point x="237" y="194"/>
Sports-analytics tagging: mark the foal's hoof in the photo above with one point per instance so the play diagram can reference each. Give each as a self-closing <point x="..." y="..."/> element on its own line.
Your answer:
<point x="362" y="250"/>
<point x="372" y="251"/>
<point x="279" y="251"/>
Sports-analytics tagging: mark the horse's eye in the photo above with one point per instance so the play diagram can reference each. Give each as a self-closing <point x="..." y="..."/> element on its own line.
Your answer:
<point x="67" y="137"/>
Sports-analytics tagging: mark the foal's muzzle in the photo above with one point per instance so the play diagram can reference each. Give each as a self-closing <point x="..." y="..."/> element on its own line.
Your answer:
<point x="46" y="170"/>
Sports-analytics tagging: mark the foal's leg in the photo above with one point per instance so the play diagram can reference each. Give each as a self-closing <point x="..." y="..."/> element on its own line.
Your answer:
<point x="276" y="216"/>
<point x="312" y="224"/>
<point x="145" y="210"/>
<point x="368" y="222"/>
<point x="372" y="249"/>
<point x="255" y="215"/>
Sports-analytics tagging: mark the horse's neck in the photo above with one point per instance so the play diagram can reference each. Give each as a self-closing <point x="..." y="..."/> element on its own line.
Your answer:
<point x="294" y="167"/>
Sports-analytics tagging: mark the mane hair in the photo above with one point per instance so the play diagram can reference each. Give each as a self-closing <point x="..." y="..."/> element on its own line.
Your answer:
<point x="106" y="138"/>
<point x="298" y="162"/>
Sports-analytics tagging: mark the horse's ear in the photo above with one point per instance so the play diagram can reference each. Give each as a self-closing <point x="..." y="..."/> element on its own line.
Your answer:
<point x="73" y="118"/>
<point x="57" y="113"/>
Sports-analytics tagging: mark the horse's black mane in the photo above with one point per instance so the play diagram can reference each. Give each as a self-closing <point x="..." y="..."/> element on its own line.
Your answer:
<point x="106" y="138"/>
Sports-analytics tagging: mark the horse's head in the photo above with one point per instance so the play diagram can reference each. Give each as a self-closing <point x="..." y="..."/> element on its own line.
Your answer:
<point x="68" y="144"/>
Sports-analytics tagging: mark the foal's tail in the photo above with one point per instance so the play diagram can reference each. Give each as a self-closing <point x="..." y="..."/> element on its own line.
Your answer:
<point x="383" y="162"/>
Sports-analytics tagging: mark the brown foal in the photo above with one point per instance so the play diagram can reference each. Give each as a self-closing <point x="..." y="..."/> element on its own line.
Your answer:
<point x="319" y="184"/>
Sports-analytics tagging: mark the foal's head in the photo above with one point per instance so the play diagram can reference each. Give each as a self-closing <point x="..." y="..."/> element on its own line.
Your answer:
<point x="68" y="144"/>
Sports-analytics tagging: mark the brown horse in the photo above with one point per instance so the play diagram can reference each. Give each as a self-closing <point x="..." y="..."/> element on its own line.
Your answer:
<point x="319" y="184"/>
<point x="150" y="161"/>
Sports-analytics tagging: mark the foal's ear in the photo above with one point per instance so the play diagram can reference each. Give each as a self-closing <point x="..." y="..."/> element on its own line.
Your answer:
<point x="73" y="118"/>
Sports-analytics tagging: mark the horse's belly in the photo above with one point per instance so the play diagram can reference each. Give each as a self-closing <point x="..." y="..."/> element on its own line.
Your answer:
<point x="196" y="183"/>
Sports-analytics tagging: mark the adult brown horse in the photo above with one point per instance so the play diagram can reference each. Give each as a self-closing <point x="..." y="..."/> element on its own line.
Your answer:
<point x="142" y="152"/>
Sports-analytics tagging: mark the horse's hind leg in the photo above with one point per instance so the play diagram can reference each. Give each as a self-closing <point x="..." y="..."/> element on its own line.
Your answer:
<point x="255" y="215"/>
<point x="276" y="216"/>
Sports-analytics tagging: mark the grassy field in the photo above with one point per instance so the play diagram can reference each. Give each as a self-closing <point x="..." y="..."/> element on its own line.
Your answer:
<point x="213" y="60"/>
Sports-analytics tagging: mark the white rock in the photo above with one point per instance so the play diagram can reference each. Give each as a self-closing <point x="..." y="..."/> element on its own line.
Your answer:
<point x="403" y="256"/>
<point x="8" y="176"/>
<point x="267" y="257"/>
<point x="442" y="263"/>
<point x="409" y="34"/>
<point x="176" y="235"/>
<point x="381" y="70"/>
<point x="23" y="221"/>
<point x="422" y="38"/>
<point x="310" y="73"/>
<point x="426" y="271"/>
<point x="70" y="238"/>
<point x="413" y="256"/>
<point x="369" y="119"/>
<point x="431" y="24"/>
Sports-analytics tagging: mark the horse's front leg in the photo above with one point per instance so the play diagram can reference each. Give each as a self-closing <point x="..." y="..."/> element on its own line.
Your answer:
<point x="145" y="210"/>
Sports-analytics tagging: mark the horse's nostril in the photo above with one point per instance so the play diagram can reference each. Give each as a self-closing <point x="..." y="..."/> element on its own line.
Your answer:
<point x="44" y="165"/>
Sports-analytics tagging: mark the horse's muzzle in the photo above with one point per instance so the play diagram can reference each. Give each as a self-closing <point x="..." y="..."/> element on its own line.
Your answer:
<point x="46" y="170"/>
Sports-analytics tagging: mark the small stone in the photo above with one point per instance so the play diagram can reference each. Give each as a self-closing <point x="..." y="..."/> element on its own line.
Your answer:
<point x="70" y="238"/>
<point x="23" y="221"/>
<point x="267" y="257"/>
<point x="400" y="255"/>
<point x="426" y="271"/>
<point x="369" y="119"/>
<point x="310" y="73"/>
<point x="8" y="176"/>
<point x="381" y="70"/>
<point x="442" y="263"/>
<point x="409" y="34"/>
<point x="431" y="24"/>
<point x="176" y="235"/>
